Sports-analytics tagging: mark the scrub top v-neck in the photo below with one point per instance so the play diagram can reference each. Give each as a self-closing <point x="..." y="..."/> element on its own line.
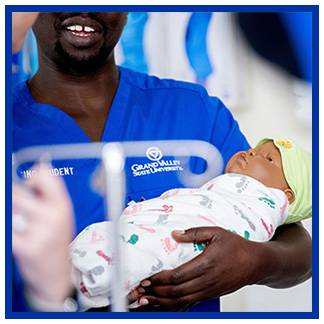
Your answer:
<point x="72" y="131"/>
<point x="144" y="108"/>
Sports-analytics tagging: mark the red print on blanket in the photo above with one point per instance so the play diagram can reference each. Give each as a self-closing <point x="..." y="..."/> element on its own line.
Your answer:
<point x="148" y="229"/>
<point x="207" y="219"/>
<point x="171" y="193"/>
<point x="107" y="258"/>
<point x="96" y="238"/>
<point x="131" y="210"/>
<point x="164" y="208"/>
<point x="269" y="230"/>
<point x="283" y="208"/>
<point x="168" y="246"/>
<point x="83" y="289"/>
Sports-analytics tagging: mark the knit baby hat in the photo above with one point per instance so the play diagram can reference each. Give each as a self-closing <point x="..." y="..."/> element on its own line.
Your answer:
<point x="297" y="168"/>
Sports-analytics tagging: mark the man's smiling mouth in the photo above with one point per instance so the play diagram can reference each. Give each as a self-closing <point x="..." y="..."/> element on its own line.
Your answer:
<point x="80" y="31"/>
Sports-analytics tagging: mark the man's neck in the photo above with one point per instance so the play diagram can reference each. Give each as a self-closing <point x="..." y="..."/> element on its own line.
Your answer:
<point x="76" y="95"/>
<point x="85" y="98"/>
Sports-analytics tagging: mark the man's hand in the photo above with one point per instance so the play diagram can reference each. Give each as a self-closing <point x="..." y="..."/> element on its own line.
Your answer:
<point x="228" y="263"/>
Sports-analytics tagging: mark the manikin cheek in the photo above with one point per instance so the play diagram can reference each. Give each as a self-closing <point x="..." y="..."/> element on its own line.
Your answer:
<point x="258" y="172"/>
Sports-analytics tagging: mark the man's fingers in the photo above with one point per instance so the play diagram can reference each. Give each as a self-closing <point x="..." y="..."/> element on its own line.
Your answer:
<point x="146" y="308"/>
<point x="160" y="303"/>
<point x="175" y="291"/>
<point x="197" y="234"/>
<point x="134" y="294"/>
<point x="187" y="271"/>
<point x="171" y="304"/>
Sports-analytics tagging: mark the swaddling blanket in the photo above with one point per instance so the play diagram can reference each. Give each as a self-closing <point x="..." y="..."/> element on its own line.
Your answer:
<point x="234" y="202"/>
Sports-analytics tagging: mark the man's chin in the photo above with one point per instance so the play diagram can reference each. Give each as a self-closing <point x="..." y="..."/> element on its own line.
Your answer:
<point x="81" y="61"/>
<point x="81" y="56"/>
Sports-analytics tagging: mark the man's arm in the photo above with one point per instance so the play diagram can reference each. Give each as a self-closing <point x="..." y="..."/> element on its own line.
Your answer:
<point x="228" y="263"/>
<point x="287" y="259"/>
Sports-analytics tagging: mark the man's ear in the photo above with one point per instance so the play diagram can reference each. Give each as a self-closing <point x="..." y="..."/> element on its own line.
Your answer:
<point x="290" y="195"/>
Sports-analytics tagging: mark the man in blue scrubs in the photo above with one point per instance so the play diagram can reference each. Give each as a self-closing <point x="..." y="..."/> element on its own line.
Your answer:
<point x="79" y="95"/>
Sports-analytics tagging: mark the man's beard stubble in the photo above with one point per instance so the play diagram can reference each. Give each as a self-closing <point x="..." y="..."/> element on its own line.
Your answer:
<point x="80" y="66"/>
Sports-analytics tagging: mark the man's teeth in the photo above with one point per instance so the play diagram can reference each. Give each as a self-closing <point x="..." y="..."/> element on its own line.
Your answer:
<point x="80" y="28"/>
<point x="88" y="29"/>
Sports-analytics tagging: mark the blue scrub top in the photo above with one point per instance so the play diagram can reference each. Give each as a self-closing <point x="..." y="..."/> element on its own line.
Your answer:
<point x="144" y="108"/>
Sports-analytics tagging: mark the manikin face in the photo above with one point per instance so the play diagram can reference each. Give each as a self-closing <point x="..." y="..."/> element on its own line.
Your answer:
<point x="263" y="164"/>
<point x="78" y="40"/>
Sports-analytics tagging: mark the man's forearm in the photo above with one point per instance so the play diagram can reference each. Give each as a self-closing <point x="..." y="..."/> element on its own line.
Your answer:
<point x="287" y="259"/>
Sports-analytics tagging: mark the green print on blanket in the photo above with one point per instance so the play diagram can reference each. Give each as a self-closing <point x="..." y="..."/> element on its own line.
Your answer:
<point x="133" y="239"/>
<point x="199" y="247"/>
<point x="268" y="201"/>
<point x="246" y="235"/>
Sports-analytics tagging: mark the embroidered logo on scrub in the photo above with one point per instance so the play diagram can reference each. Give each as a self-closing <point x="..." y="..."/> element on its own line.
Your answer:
<point x="156" y="165"/>
<point x="54" y="172"/>
<point x="154" y="154"/>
